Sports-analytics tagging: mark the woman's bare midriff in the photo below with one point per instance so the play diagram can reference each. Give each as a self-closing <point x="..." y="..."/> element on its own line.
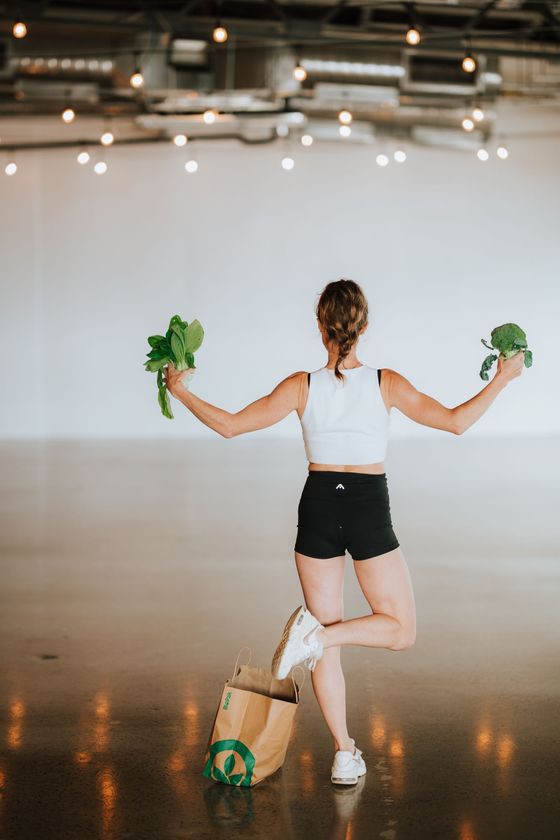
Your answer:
<point x="374" y="469"/>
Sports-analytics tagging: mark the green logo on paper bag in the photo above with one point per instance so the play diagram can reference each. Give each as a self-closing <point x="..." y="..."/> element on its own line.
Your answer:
<point x="237" y="751"/>
<point x="226" y="701"/>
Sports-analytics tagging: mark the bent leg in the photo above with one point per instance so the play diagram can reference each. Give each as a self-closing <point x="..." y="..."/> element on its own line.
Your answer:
<point x="322" y="582"/>
<point x="386" y="583"/>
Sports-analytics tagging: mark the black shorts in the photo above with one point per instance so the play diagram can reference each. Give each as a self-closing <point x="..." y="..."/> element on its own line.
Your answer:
<point x="341" y="511"/>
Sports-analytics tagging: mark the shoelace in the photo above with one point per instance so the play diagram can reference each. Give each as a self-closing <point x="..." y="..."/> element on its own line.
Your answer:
<point x="311" y="662"/>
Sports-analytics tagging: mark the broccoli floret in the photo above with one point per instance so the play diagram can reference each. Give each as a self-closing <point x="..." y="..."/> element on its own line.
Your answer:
<point x="508" y="339"/>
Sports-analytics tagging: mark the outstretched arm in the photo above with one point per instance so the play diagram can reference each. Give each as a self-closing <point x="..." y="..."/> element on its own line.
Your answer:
<point x="263" y="412"/>
<point x="429" y="412"/>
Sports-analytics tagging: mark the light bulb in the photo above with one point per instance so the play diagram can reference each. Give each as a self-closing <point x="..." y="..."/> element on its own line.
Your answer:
<point x="19" y="29"/>
<point x="191" y="166"/>
<point x="468" y="64"/>
<point x="344" y="130"/>
<point x="137" y="79"/>
<point x="11" y="168"/>
<point x="68" y="115"/>
<point x="412" y="37"/>
<point x="382" y="160"/>
<point x="107" y="138"/>
<point x="482" y="154"/>
<point x="478" y="114"/>
<point x="400" y="156"/>
<point x="83" y="158"/>
<point x="209" y="116"/>
<point x="345" y="117"/>
<point x="220" y="34"/>
<point x="300" y="73"/>
<point x="502" y="152"/>
<point x="287" y="163"/>
<point x="306" y="140"/>
<point x="179" y="140"/>
<point x="100" y="167"/>
<point x="467" y="124"/>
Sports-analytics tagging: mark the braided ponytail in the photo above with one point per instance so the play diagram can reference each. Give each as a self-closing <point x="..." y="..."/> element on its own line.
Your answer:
<point x="342" y="311"/>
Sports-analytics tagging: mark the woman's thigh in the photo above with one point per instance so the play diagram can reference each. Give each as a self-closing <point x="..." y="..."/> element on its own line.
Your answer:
<point x="386" y="583"/>
<point x="322" y="582"/>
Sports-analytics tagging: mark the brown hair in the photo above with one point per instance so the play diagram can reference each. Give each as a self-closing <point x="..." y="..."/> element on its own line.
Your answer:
<point x="342" y="310"/>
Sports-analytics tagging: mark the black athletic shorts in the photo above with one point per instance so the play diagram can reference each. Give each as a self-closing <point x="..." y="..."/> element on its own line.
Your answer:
<point x="341" y="511"/>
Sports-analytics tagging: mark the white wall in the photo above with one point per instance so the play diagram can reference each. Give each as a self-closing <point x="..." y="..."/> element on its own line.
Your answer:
<point x="445" y="247"/>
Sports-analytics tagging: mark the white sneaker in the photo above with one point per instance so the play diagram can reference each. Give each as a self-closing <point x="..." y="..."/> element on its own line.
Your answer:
<point x="298" y="643"/>
<point x="347" y="766"/>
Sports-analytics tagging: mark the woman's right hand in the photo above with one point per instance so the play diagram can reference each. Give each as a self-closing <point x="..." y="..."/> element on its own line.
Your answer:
<point x="512" y="367"/>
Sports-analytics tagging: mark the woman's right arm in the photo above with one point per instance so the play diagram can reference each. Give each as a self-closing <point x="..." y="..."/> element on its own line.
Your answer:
<point x="429" y="412"/>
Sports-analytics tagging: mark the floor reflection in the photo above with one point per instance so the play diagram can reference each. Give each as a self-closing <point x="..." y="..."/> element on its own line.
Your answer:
<point x="115" y="642"/>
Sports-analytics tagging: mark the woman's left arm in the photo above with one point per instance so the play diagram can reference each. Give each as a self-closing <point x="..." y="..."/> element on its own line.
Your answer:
<point x="259" y="414"/>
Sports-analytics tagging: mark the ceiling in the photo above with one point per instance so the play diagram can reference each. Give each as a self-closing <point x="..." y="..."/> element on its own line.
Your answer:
<point x="81" y="55"/>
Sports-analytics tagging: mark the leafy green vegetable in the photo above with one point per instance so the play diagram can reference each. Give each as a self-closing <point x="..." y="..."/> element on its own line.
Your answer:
<point x="178" y="346"/>
<point x="508" y="339"/>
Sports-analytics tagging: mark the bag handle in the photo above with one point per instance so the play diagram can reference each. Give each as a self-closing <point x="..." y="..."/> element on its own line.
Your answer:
<point x="237" y="660"/>
<point x="297" y="688"/>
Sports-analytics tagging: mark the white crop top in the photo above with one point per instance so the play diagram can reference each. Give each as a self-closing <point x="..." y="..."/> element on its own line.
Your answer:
<point x="345" y="422"/>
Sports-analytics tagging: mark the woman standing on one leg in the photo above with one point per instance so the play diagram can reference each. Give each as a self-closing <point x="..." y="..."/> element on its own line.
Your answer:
<point x="344" y="412"/>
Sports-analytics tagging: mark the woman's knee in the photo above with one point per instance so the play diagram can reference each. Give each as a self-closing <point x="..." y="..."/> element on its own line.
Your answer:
<point x="406" y="637"/>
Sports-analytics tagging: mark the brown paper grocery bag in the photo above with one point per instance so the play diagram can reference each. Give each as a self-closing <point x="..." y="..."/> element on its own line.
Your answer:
<point x="252" y="726"/>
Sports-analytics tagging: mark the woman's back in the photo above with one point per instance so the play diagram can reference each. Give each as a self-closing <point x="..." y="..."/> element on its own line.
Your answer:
<point x="345" y="422"/>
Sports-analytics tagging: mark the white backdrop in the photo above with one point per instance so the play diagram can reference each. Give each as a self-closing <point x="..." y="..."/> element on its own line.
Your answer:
<point x="445" y="247"/>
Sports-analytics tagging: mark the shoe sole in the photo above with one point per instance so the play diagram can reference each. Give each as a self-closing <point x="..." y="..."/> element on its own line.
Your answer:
<point x="278" y="654"/>
<point x="340" y="780"/>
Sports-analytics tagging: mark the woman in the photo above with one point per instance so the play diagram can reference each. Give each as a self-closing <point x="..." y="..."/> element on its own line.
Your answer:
<point x="344" y="411"/>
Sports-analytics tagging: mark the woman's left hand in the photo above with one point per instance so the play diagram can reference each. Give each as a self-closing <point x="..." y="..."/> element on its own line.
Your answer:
<point x="176" y="380"/>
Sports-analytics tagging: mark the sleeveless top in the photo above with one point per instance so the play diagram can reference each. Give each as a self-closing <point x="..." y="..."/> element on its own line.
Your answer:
<point x="345" y="422"/>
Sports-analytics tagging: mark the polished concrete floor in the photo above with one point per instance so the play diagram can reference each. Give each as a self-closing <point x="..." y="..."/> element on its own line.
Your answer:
<point x="132" y="573"/>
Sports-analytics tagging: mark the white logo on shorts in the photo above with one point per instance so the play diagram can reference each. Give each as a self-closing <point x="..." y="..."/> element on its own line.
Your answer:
<point x="340" y="485"/>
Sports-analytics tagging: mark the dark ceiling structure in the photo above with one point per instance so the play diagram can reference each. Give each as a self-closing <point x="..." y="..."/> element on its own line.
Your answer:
<point x="397" y="68"/>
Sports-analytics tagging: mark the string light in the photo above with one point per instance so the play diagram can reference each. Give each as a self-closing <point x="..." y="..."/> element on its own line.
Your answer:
<point x="209" y="116"/>
<point x="287" y="163"/>
<point x="100" y="168"/>
<point x="412" y="37"/>
<point x="345" y="117"/>
<point x="468" y="63"/>
<point x="478" y="113"/>
<point x="219" y="34"/>
<point x="83" y="157"/>
<point x="344" y="130"/>
<point x="482" y="154"/>
<point x="399" y="155"/>
<point x="467" y="124"/>
<point x="68" y="115"/>
<point x="382" y="160"/>
<point x="11" y="168"/>
<point x="300" y="73"/>
<point x="107" y="138"/>
<point x="180" y="140"/>
<point x="502" y="152"/>
<point x="19" y="29"/>
<point x="191" y="166"/>
<point x="306" y="140"/>
<point x="137" y="79"/>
